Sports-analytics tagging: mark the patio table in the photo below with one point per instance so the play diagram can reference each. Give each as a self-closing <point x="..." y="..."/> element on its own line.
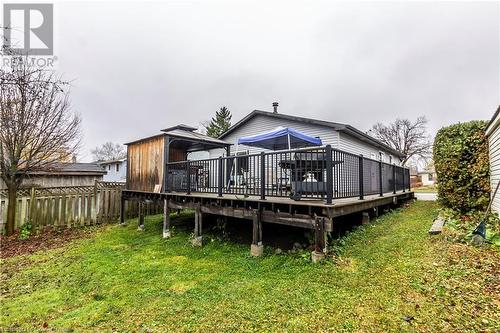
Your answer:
<point x="304" y="163"/>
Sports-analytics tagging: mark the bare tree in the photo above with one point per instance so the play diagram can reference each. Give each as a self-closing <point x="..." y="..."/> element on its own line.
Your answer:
<point x="405" y="136"/>
<point x="109" y="151"/>
<point x="37" y="126"/>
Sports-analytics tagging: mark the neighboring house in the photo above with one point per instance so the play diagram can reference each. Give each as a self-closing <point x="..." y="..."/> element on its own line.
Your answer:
<point x="63" y="174"/>
<point x="339" y="136"/>
<point x="116" y="170"/>
<point x="493" y="134"/>
<point x="428" y="177"/>
<point x="414" y="177"/>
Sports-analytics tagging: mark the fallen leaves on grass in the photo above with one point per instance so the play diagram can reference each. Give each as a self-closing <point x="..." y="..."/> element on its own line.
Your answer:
<point x="47" y="238"/>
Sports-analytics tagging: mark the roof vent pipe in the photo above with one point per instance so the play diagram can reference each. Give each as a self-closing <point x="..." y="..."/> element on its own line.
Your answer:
<point x="275" y="107"/>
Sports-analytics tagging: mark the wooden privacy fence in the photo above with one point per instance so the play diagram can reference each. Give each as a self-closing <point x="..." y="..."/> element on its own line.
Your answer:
<point x="70" y="206"/>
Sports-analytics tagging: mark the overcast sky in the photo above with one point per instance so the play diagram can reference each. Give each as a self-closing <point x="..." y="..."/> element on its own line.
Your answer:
<point x="140" y="67"/>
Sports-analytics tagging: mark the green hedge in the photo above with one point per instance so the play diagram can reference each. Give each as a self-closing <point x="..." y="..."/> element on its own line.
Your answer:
<point x="462" y="166"/>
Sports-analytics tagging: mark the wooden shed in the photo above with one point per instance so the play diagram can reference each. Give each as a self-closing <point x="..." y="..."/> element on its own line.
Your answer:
<point x="147" y="157"/>
<point x="493" y="134"/>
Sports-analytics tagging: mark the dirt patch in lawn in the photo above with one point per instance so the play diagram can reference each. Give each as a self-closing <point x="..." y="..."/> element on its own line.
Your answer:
<point x="45" y="239"/>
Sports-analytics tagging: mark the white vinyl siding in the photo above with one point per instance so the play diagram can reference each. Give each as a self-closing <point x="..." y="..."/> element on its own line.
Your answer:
<point x="113" y="174"/>
<point x="260" y="124"/>
<point x="494" y="152"/>
<point x="329" y="136"/>
<point x="356" y="146"/>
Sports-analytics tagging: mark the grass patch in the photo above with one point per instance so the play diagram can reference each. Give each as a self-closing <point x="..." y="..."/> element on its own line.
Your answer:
<point x="387" y="276"/>
<point x="425" y="189"/>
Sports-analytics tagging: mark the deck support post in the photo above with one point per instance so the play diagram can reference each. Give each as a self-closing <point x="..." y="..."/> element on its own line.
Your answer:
<point x="365" y="218"/>
<point x="257" y="248"/>
<point x="166" y="219"/>
<point x="141" y="216"/>
<point x="319" y="240"/>
<point x="198" y="224"/>
<point x="122" y="211"/>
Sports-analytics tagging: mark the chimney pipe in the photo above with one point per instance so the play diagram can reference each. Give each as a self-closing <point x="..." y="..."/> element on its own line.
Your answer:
<point x="275" y="107"/>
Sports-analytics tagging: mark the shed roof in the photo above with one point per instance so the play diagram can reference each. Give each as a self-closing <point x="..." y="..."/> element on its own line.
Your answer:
<point x="71" y="169"/>
<point x="182" y="127"/>
<point x="194" y="141"/>
<point x="348" y="129"/>
<point x="185" y="137"/>
<point x="145" y="138"/>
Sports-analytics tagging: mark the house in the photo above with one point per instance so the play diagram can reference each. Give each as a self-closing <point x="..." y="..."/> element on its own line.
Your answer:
<point x="428" y="176"/>
<point x="339" y="136"/>
<point x="415" y="179"/>
<point x="116" y="170"/>
<point x="146" y="155"/>
<point x="304" y="174"/>
<point x="63" y="174"/>
<point x="493" y="134"/>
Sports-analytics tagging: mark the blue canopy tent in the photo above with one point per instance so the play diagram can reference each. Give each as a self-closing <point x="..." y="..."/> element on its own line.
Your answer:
<point x="279" y="139"/>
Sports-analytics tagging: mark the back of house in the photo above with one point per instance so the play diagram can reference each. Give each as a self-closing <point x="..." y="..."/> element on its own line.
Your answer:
<point x="339" y="136"/>
<point x="281" y="171"/>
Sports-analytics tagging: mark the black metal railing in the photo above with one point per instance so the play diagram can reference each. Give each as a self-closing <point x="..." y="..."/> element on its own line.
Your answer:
<point x="314" y="173"/>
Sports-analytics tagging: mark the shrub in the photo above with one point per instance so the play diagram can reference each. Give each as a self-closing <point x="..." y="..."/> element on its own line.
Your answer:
<point x="26" y="229"/>
<point x="462" y="166"/>
<point x="459" y="227"/>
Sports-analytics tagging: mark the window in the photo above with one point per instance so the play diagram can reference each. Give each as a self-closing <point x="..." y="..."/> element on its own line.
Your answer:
<point x="390" y="159"/>
<point x="117" y="167"/>
<point x="381" y="156"/>
<point x="430" y="176"/>
<point x="109" y="166"/>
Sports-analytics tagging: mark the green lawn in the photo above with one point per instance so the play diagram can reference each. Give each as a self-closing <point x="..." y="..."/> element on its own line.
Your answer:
<point x="425" y="189"/>
<point x="125" y="280"/>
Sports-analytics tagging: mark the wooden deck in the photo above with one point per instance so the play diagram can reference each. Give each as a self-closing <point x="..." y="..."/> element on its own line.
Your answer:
<point x="309" y="214"/>
<point x="339" y="207"/>
<point x="296" y="187"/>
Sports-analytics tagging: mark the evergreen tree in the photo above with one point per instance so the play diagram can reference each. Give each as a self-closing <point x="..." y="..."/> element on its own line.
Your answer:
<point x="220" y="123"/>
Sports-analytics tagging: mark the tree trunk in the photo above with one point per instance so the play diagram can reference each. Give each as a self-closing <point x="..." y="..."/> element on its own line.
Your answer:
<point x="11" y="209"/>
